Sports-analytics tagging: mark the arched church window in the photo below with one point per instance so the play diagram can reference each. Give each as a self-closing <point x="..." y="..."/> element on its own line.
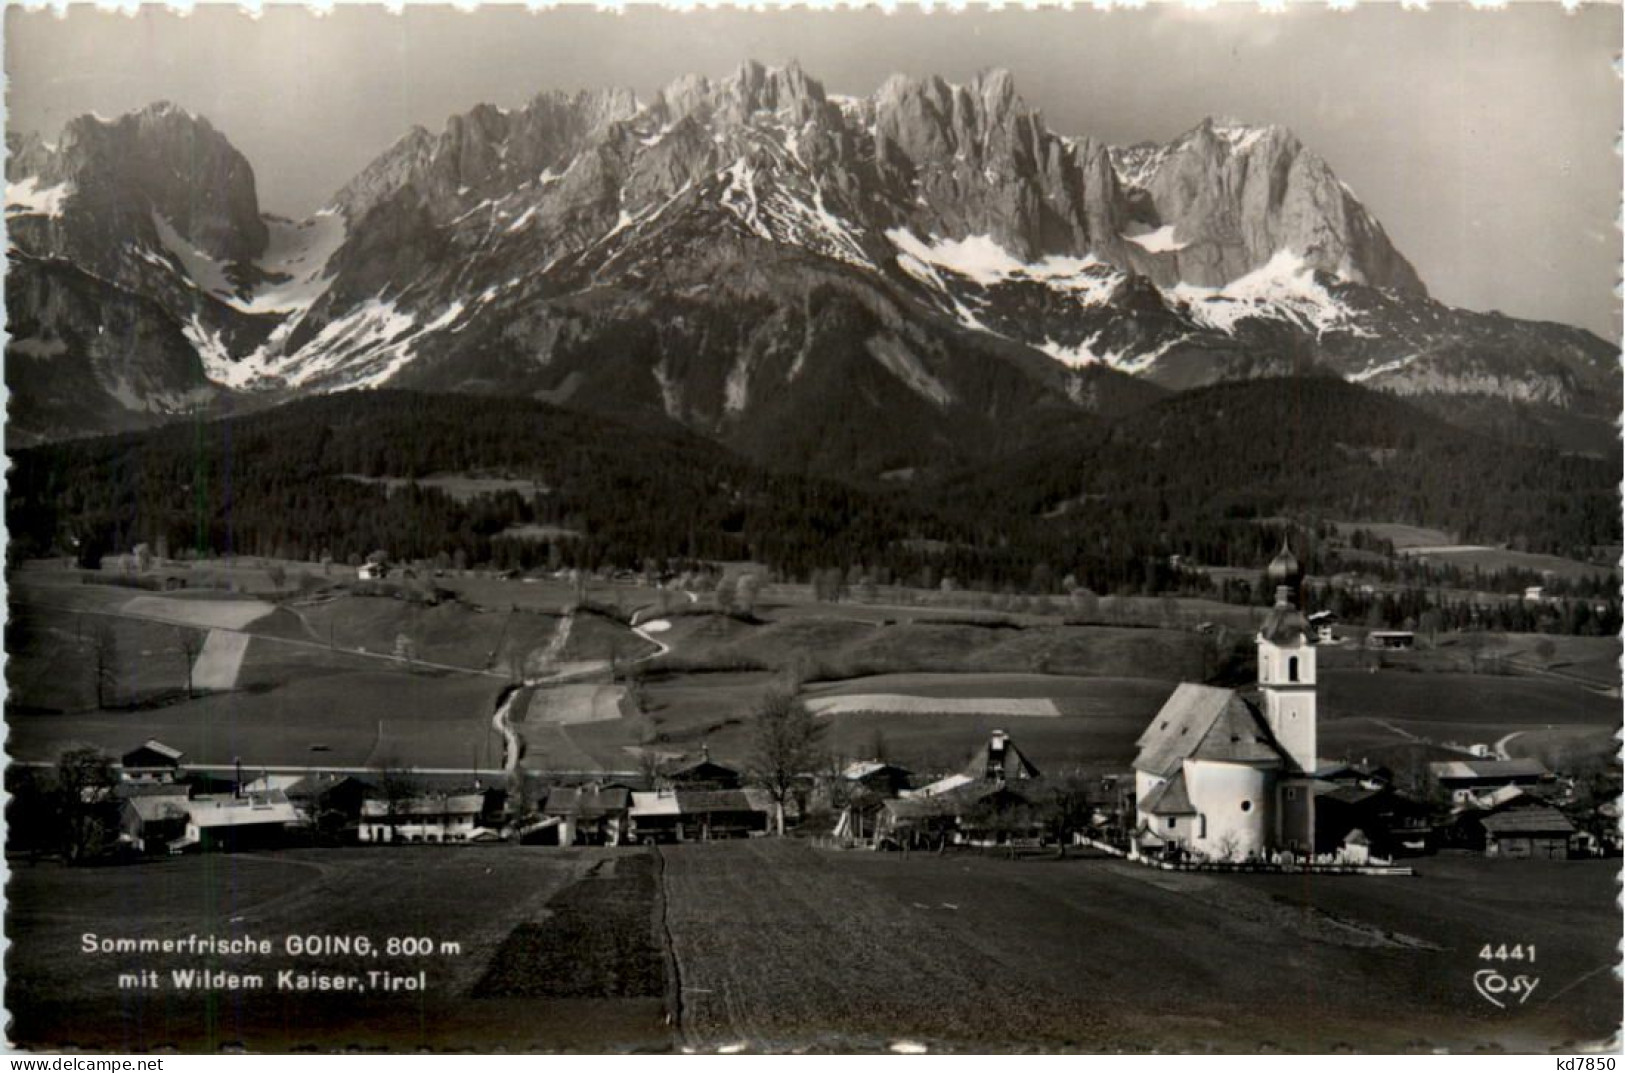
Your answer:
<point x="1292" y="669"/>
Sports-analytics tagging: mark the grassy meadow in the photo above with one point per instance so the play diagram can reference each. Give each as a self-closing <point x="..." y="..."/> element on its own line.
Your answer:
<point x="769" y="945"/>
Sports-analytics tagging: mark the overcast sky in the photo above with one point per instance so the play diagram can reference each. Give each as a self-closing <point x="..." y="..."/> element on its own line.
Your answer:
<point x="1482" y="140"/>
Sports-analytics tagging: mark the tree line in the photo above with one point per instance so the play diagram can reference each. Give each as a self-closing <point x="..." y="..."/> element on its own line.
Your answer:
<point x="1206" y="477"/>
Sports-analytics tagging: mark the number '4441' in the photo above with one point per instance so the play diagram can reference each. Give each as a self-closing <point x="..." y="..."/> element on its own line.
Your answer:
<point x="1515" y="952"/>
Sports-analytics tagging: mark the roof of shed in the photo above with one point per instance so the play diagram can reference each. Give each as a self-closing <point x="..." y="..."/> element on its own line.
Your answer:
<point x="1488" y="769"/>
<point x="1528" y="821"/>
<point x="269" y="806"/>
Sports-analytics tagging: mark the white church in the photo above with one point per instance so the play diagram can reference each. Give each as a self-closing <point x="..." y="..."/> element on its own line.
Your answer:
<point x="1229" y="775"/>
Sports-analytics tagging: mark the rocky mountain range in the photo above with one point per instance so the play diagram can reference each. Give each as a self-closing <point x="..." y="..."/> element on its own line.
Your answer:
<point x="858" y="286"/>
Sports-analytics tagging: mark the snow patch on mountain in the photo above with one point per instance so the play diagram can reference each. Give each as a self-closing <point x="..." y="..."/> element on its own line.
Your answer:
<point x="293" y="267"/>
<point x="1373" y="371"/>
<point x="984" y="261"/>
<point x="1136" y="164"/>
<point x="1159" y="241"/>
<point x="740" y="197"/>
<point x="296" y="259"/>
<point x="368" y="344"/>
<point x="1079" y="356"/>
<point x="216" y="358"/>
<point x="976" y="257"/>
<point x="29" y="198"/>
<point x="1239" y="136"/>
<point x="1285" y="288"/>
<point x="198" y="268"/>
<point x="361" y="349"/>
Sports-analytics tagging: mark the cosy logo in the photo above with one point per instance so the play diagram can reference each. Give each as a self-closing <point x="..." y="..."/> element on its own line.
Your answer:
<point x="1499" y="989"/>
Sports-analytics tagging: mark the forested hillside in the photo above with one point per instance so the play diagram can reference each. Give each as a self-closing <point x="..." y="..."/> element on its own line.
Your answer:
<point x="1108" y="504"/>
<point x="1178" y="476"/>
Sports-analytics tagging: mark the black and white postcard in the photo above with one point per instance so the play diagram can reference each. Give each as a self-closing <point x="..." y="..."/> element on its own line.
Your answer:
<point x="794" y="530"/>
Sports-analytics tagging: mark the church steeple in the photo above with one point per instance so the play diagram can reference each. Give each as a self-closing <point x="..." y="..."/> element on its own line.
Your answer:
<point x="1285" y="573"/>
<point x="1286" y="665"/>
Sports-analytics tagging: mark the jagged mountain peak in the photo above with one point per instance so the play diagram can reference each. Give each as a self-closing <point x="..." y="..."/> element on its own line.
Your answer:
<point x="160" y="159"/>
<point x="1237" y="136"/>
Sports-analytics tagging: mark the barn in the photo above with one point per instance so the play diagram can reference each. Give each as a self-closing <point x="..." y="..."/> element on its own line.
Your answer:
<point x="698" y="815"/>
<point x="1528" y="832"/>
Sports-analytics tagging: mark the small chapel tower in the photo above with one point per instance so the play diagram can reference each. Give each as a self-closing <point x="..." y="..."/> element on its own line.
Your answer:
<point x="1286" y="666"/>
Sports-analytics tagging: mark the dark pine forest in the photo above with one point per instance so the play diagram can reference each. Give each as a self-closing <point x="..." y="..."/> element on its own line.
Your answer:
<point x="1214" y="476"/>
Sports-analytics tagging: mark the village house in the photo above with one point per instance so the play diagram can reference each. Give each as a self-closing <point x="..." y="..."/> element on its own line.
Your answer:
<point x="703" y="774"/>
<point x="858" y="792"/>
<point x="434" y="818"/>
<point x="328" y="797"/>
<point x="1389" y="822"/>
<point x="1325" y="626"/>
<point x="151" y="761"/>
<point x="151" y="815"/>
<point x="717" y="814"/>
<point x="655" y="816"/>
<point x="987" y="802"/>
<point x="1472" y="811"/>
<point x="876" y="777"/>
<point x="236" y="821"/>
<point x="1463" y="779"/>
<point x="319" y="795"/>
<point x="583" y="816"/>
<point x="675" y="815"/>
<point x="974" y="814"/>
<point x="1225" y="776"/>
<point x="996" y="762"/>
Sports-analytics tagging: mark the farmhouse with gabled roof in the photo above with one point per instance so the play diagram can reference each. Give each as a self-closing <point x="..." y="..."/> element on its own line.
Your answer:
<point x="151" y="761"/>
<point x="1000" y="761"/>
<point x="704" y="774"/>
<point x="1227" y="775"/>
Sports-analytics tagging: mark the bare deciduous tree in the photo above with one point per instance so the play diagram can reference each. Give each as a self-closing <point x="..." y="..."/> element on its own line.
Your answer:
<point x="189" y="645"/>
<point x="649" y="767"/>
<point x="104" y="660"/>
<point x="1227" y="848"/>
<point x="787" y="745"/>
<point x="1068" y="810"/>
<point x="396" y="783"/>
<point x="85" y="804"/>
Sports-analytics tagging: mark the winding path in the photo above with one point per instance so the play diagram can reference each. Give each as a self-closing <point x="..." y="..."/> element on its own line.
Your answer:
<point x="1501" y="746"/>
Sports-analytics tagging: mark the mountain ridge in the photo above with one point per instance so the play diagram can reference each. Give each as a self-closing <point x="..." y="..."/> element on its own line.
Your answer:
<point x="995" y="273"/>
